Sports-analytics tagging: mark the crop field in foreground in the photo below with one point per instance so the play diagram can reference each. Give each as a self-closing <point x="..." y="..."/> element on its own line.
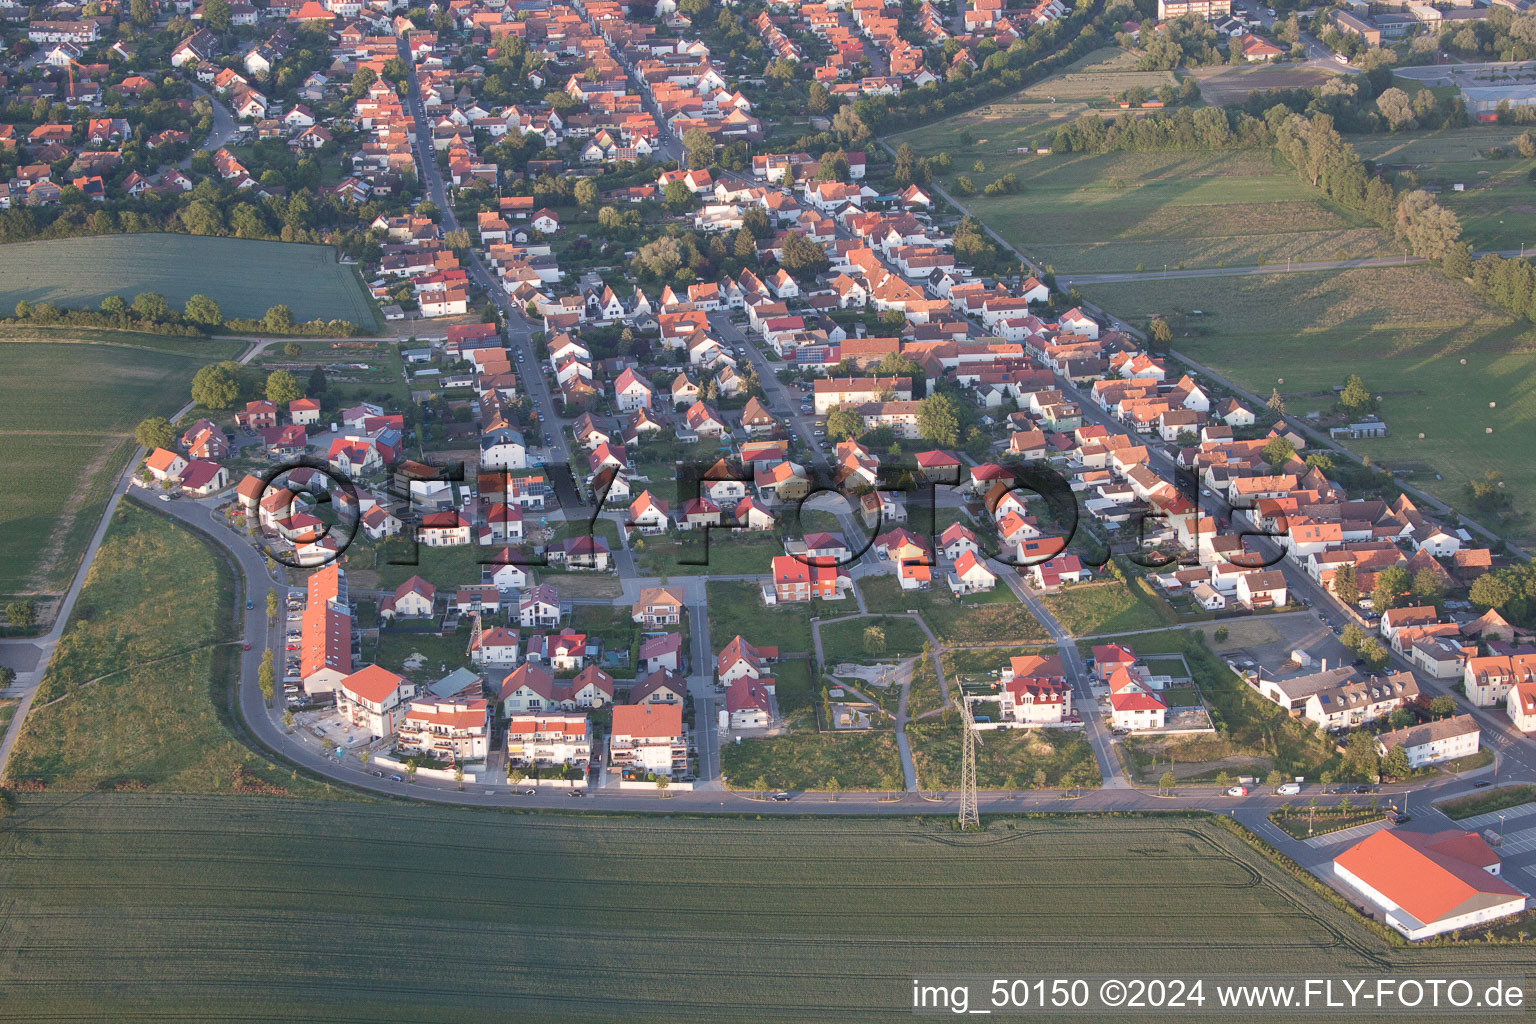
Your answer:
<point x="1405" y="330"/>
<point x="134" y="906"/>
<point x="245" y="276"/>
<point x="67" y="413"/>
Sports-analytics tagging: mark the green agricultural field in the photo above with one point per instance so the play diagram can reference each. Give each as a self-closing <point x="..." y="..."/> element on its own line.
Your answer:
<point x="1106" y="606"/>
<point x="736" y="607"/>
<point x="67" y="414"/>
<point x="1405" y="330"/>
<point x="1006" y="758"/>
<point x="244" y="276"/>
<point x="1095" y="213"/>
<point x="137" y="694"/>
<point x="1497" y="204"/>
<point x="123" y="906"/>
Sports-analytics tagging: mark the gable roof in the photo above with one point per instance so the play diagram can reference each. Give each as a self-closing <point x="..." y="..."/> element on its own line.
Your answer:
<point x="1430" y="876"/>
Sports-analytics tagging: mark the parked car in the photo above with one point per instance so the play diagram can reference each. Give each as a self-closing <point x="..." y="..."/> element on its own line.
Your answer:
<point x="780" y="797"/>
<point x="1481" y="784"/>
<point x="1288" y="789"/>
<point x="249" y="605"/>
<point x="165" y="497"/>
<point x="378" y="774"/>
<point x="246" y="647"/>
<point x="397" y="778"/>
<point x="1238" y="791"/>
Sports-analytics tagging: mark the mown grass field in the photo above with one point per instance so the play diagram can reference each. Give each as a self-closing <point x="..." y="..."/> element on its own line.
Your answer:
<point x="1497" y="206"/>
<point x="67" y="414"/>
<point x="245" y="276"/>
<point x="136" y="695"/>
<point x="1405" y="330"/>
<point x="1095" y="213"/>
<point x="844" y="641"/>
<point x="123" y="906"/>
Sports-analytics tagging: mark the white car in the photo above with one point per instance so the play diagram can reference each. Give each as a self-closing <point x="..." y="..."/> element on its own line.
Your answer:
<point x="1288" y="789"/>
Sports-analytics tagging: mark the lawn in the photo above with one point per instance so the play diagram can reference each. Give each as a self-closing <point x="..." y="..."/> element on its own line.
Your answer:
<point x="1405" y="330"/>
<point x="795" y="688"/>
<point x="707" y="553"/>
<point x="810" y="760"/>
<point x="990" y="615"/>
<point x="1005" y="759"/>
<point x="736" y="607"/>
<point x="442" y="654"/>
<point x="844" y="641"/>
<point x="67" y="414"/>
<point x="1484" y="801"/>
<point x="1305" y="822"/>
<point x="1106" y="606"/>
<point x="137" y="694"/>
<point x="127" y="906"/>
<point x="244" y="276"/>
<point x="1082" y="213"/>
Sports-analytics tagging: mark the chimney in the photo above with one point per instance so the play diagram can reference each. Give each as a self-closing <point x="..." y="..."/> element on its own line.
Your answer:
<point x="1325" y="664"/>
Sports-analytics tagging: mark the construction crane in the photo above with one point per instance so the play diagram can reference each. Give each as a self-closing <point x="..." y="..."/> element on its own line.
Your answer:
<point x="970" y="814"/>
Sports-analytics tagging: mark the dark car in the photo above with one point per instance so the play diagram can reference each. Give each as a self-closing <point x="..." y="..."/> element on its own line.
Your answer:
<point x="780" y="797"/>
<point x="250" y="604"/>
<point x="378" y="775"/>
<point x="1481" y="784"/>
<point x="576" y="792"/>
<point x="1402" y="819"/>
<point x="1362" y="789"/>
<point x="397" y="778"/>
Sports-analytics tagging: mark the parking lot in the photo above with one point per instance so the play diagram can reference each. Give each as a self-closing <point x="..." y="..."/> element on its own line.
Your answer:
<point x="1301" y="631"/>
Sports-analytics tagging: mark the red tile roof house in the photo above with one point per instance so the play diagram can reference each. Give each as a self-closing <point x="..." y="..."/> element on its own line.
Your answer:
<point x="748" y="705"/>
<point x="662" y="652"/>
<point x="201" y="479"/>
<point x="1427" y="884"/>
<point x="257" y="415"/>
<point x="648" y="738"/>
<point x="413" y="599"/>
<point x="740" y="658"/>
<point x="794" y="581"/>
<point x="374" y="698"/>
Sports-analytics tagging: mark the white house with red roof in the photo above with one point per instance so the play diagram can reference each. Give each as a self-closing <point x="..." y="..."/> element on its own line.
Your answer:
<point x="740" y="659"/>
<point x="648" y="738"/>
<point x="452" y="729"/>
<point x="970" y="575"/>
<point x="794" y="580"/>
<point x="662" y="652"/>
<point x="1426" y="884"/>
<point x="412" y="599"/>
<point x="164" y="464"/>
<point x="496" y="647"/>
<point x="1520" y="704"/>
<point x="747" y="705"/>
<point x="443" y="529"/>
<point x="549" y="738"/>
<point x="202" y="478"/>
<point x="375" y="699"/>
<point x="649" y="514"/>
<point x="304" y="412"/>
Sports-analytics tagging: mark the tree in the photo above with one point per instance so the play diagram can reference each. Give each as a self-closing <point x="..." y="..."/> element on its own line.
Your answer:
<point x="1360" y="755"/>
<point x="801" y="256"/>
<point x="938" y="420"/>
<point x="1223" y="780"/>
<point x="1274" y="778"/>
<point x="282" y="388"/>
<point x="660" y="258"/>
<point x="271" y="605"/>
<point x="1491" y="591"/>
<point x="1355" y="397"/>
<point x="843" y="424"/>
<point x="1374" y="654"/>
<point x="1396" y="763"/>
<point x="1397" y="108"/>
<point x="1442" y="705"/>
<point x="20" y="613"/>
<point x="141" y="12"/>
<point x="1160" y="332"/>
<point x="293" y="350"/>
<point x="874" y="641"/>
<point x="216" y="15"/>
<point x="1167" y="782"/>
<point x="1276" y="403"/>
<point x="202" y="310"/>
<point x="266" y="676"/>
<point x="1344" y="586"/>
<point x="586" y="192"/>
<point x="1278" y="451"/>
<point x="1428" y="586"/>
<point x="317" y="383"/>
<point x="152" y="306"/>
<point x="699" y="146"/>
<point x="277" y="320"/>
<point x="155" y="432"/>
<point x="1392" y="583"/>
<point x="216" y="386"/>
<point x="1426" y="227"/>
